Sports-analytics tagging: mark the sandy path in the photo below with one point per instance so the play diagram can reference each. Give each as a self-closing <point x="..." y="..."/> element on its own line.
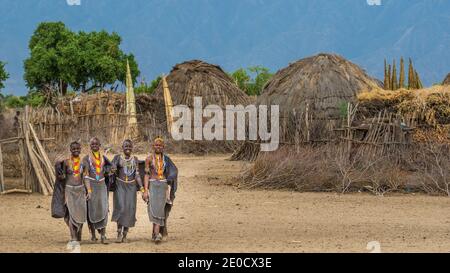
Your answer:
<point x="210" y="216"/>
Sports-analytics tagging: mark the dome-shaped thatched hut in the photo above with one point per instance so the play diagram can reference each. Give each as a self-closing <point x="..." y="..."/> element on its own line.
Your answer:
<point x="324" y="81"/>
<point x="312" y="95"/>
<point x="200" y="79"/>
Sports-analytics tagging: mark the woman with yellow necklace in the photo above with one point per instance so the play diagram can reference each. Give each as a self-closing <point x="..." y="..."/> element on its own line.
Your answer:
<point x="160" y="185"/>
<point x="69" y="197"/>
<point x="96" y="170"/>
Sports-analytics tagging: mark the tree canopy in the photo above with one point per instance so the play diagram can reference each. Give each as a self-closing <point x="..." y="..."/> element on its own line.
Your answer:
<point x="84" y="61"/>
<point x="3" y="75"/>
<point x="251" y="80"/>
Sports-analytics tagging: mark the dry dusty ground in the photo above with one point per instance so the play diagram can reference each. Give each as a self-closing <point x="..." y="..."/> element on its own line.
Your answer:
<point x="210" y="216"/>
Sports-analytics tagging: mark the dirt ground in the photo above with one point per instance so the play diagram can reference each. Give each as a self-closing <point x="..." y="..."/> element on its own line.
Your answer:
<point x="212" y="215"/>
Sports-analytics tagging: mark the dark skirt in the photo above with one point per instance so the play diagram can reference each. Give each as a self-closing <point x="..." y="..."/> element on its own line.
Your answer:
<point x="76" y="205"/>
<point x="98" y="205"/>
<point x="124" y="203"/>
<point x="156" y="206"/>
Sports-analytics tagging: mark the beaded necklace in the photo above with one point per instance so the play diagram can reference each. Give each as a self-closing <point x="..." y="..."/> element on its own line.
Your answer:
<point x="76" y="166"/>
<point x="96" y="164"/>
<point x="159" y="165"/>
<point x="129" y="167"/>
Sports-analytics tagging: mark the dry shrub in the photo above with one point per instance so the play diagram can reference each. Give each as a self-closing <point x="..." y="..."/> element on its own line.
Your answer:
<point x="422" y="167"/>
<point x="286" y="168"/>
<point x="430" y="163"/>
<point x="386" y="176"/>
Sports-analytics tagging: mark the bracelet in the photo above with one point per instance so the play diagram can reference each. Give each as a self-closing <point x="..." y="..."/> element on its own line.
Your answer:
<point x="142" y="189"/>
<point x="89" y="190"/>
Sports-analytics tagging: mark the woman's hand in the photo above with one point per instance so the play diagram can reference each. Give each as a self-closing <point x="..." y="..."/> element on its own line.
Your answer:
<point x="88" y="194"/>
<point x="145" y="196"/>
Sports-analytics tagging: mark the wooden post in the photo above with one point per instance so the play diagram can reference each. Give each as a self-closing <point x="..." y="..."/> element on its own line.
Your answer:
<point x="307" y="123"/>
<point x="47" y="164"/>
<point x="22" y="163"/>
<point x="35" y="164"/>
<point x="2" y="182"/>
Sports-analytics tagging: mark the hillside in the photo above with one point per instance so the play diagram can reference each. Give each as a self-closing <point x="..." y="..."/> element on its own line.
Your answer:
<point x="236" y="33"/>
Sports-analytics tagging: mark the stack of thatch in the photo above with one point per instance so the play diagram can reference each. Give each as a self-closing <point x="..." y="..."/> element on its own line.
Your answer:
<point x="429" y="106"/>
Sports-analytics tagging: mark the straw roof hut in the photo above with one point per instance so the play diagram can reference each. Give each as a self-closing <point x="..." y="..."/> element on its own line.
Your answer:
<point x="312" y="94"/>
<point x="324" y="81"/>
<point x="200" y="79"/>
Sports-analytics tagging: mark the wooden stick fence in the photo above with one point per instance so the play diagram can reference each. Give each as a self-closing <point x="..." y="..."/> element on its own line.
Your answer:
<point x="107" y="126"/>
<point x="36" y="169"/>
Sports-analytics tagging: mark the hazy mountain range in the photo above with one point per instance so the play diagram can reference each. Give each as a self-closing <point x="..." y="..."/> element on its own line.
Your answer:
<point x="242" y="33"/>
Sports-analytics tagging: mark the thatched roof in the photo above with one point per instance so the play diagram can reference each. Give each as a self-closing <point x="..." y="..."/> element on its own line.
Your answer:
<point x="446" y="80"/>
<point x="325" y="81"/>
<point x="198" y="78"/>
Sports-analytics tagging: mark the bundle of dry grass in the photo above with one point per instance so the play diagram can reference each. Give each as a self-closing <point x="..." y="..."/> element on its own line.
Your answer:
<point x="430" y="106"/>
<point x="324" y="81"/>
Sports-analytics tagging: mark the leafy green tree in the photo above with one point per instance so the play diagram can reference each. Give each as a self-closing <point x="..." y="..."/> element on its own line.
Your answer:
<point x="42" y="68"/>
<point x="12" y="101"/>
<point x="262" y="77"/>
<point x="94" y="60"/>
<point x="241" y="78"/>
<point x="144" y="88"/>
<point x="251" y="85"/>
<point x="86" y="61"/>
<point x="35" y="99"/>
<point x="3" y="75"/>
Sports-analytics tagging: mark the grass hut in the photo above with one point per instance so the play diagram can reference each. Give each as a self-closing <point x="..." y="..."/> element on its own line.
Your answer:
<point x="200" y="79"/>
<point x="312" y="95"/>
<point x="324" y="81"/>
